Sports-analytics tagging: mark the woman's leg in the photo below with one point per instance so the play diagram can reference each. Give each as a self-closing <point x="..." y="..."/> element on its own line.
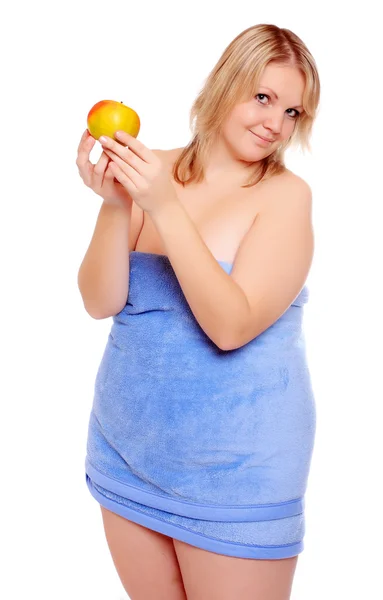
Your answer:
<point x="218" y="577"/>
<point x="145" y="560"/>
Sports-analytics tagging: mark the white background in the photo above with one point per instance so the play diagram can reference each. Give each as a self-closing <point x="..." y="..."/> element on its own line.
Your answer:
<point x="58" y="60"/>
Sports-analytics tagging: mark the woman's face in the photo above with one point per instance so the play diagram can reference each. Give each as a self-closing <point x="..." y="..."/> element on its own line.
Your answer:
<point x="271" y="114"/>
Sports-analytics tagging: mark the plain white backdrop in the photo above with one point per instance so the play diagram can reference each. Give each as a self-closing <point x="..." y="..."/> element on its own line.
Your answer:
<point x="58" y="60"/>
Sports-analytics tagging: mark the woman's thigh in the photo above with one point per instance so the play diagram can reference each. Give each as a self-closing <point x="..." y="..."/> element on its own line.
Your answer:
<point x="219" y="577"/>
<point x="145" y="560"/>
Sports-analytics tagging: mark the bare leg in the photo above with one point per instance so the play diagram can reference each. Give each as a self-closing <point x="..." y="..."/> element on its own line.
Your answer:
<point x="145" y="560"/>
<point x="211" y="576"/>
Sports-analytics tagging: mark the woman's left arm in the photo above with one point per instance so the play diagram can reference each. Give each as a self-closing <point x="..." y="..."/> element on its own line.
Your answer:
<point x="217" y="301"/>
<point x="270" y="268"/>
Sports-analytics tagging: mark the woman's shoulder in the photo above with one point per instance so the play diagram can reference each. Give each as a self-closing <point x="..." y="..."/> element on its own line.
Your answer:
<point x="288" y="176"/>
<point x="168" y="156"/>
<point x="277" y="189"/>
<point x="287" y="180"/>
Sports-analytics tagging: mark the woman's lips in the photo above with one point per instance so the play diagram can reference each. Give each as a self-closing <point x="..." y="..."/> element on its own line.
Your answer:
<point x="267" y="142"/>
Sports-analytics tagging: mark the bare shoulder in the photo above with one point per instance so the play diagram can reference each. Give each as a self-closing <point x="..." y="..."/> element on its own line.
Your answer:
<point x="290" y="183"/>
<point x="168" y="157"/>
<point x="285" y="191"/>
<point x="298" y="182"/>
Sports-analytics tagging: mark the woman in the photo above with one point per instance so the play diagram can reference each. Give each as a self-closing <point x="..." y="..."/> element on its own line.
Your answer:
<point x="203" y="421"/>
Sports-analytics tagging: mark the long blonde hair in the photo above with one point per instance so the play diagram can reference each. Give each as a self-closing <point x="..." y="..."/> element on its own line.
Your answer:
<point x="237" y="74"/>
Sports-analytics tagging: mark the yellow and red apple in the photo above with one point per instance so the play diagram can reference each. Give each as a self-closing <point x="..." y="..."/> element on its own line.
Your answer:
<point x="108" y="116"/>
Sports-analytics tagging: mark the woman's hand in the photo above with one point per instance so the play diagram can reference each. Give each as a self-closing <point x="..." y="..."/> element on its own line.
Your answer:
<point x="140" y="171"/>
<point x="100" y="177"/>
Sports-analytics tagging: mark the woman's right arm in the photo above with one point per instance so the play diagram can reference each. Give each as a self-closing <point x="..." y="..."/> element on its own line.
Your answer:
<point x="103" y="277"/>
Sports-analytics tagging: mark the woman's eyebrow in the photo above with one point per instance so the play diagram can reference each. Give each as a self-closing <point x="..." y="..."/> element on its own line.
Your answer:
<point x="299" y="106"/>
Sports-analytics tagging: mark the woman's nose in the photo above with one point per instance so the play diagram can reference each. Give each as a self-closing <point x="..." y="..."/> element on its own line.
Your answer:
<point x="274" y="122"/>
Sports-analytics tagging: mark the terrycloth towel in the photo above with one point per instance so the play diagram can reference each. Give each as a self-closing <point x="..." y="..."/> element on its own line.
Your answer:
<point x="209" y="446"/>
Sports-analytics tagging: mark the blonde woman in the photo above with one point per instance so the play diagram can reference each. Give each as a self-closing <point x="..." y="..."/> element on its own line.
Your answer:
<point x="203" y="422"/>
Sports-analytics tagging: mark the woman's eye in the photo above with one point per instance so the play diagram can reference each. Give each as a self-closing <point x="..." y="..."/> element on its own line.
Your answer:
<point x="264" y="95"/>
<point x="296" y="113"/>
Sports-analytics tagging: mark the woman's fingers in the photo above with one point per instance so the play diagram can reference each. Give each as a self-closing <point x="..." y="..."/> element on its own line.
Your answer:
<point x="85" y="146"/>
<point x="83" y="163"/>
<point x="109" y="175"/>
<point x="83" y="139"/>
<point x="135" y="145"/>
<point x="124" y="168"/>
<point x="99" y="170"/>
<point x="92" y="175"/>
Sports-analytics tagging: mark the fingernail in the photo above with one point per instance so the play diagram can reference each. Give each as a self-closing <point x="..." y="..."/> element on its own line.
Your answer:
<point x="103" y="139"/>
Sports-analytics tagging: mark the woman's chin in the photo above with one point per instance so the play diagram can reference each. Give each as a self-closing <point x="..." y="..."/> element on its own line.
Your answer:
<point x="253" y="155"/>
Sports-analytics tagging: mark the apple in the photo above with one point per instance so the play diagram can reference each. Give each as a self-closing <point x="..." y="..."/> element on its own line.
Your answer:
<point x="108" y="116"/>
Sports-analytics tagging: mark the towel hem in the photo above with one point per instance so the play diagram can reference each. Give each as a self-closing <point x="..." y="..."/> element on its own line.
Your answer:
<point x="196" y="539"/>
<point x="210" y="512"/>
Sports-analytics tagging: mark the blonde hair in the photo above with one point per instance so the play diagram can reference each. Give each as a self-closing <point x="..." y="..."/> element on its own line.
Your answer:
<point x="235" y="76"/>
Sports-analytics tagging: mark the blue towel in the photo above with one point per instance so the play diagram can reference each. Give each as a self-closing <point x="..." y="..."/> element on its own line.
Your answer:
<point x="209" y="446"/>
